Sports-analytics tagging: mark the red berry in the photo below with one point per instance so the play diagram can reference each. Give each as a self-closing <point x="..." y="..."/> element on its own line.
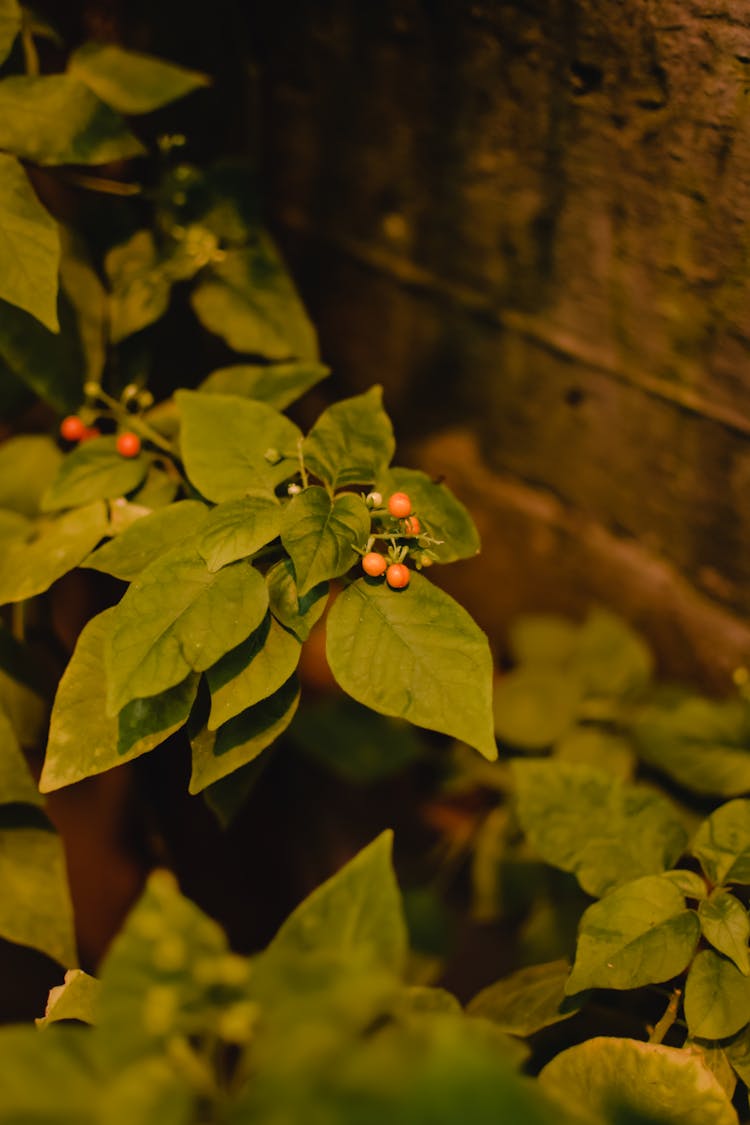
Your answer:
<point x="399" y="505"/>
<point x="128" y="444"/>
<point x="89" y="433"/>
<point x="412" y="526"/>
<point x="374" y="564"/>
<point x="397" y="576"/>
<point x="72" y="428"/>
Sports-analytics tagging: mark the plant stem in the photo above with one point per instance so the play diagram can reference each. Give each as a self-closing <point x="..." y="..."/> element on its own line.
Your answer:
<point x="99" y="183"/>
<point x="666" y="1021"/>
<point x="31" y="58"/>
<point x="136" y="423"/>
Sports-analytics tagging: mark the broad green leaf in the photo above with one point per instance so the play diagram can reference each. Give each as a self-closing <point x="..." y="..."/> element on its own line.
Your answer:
<point x="713" y="1056"/>
<point x="533" y="707"/>
<point x="726" y="924"/>
<point x="152" y="1091"/>
<point x="60" y="544"/>
<point x="22" y="691"/>
<point x="225" y="440"/>
<point x="48" y="1078"/>
<point x="422" y="1000"/>
<point x="77" y="998"/>
<point x="140" y="287"/>
<point x="639" y="934"/>
<point x="414" y="654"/>
<point x="610" y="657"/>
<point x="35" y="906"/>
<point x="722" y="843"/>
<point x="352" y="441"/>
<point x="10" y="25"/>
<point x="16" y="783"/>
<point x="738" y="1054"/>
<point x="703" y="744"/>
<point x="585" y="821"/>
<point x="129" y="81"/>
<point x="354" y="742"/>
<point x="143" y="542"/>
<point x="356" y="913"/>
<point x="240" y="740"/>
<point x="690" y="883"/>
<point x="87" y="296"/>
<point x="528" y="1000"/>
<point x="94" y="471"/>
<point x="51" y="364"/>
<point x="592" y="746"/>
<point x="320" y="534"/>
<point x="177" y="618"/>
<point x="83" y="740"/>
<point x="238" y="528"/>
<point x="717" y="997"/>
<point x="55" y="119"/>
<point x="295" y="613"/>
<point x="250" y="301"/>
<point x="29" y="245"/>
<point x="542" y="639"/>
<point x="28" y="464"/>
<point x="440" y="513"/>
<point x="663" y="1084"/>
<point x="278" y="384"/>
<point x="13" y="526"/>
<point x="251" y="672"/>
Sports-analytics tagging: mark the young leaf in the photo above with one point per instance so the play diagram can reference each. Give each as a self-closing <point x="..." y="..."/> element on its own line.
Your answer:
<point x="140" y="287"/>
<point x="143" y="542"/>
<point x="533" y="707"/>
<point x="278" y="384"/>
<point x="30" y="568"/>
<point x="94" y="471"/>
<point x="587" y="822"/>
<point x="10" y="25"/>
<point x="639" y="934"/>
<point x="415" y="654"/>
<point x="240" y="740"/>
<point x="252" y="671"/>
<point x="722" y="844"/>
<point x="129" y="81"/>
<point x="225" y="440"/>
<point x="29" y="246"/>
<point x="352" y="441"/>
<point x="55" y="119"/>
<point x="238" y="528"/>
<point x="250" y="301"/>
<point x="726" y="924"/>
<point x="16" y="783"/>
<point x="77" y="998"/>
<point x="177" y="618"/>
<point x="646" y="1081"/>
<point x="320" y="533"/>
<point x="80" y="705"/>
<point x="441" y="514"/>
<point x="295" y="613"/>
<point x="528" y="1000"/>
<point x="28" y="464"/>
<point x="717" y="997"/>
<point x="357" y="913"/>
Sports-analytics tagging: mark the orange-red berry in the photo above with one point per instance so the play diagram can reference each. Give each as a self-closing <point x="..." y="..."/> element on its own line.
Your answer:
<point x="374" y="564"/>
<point x="412" y="526"/>
<point x="397" y="576"/>
<point x="89" y="433"/>
<point x="128" y="444"/>
<point x="399" y="505"/>
<point x="72" y="428"/>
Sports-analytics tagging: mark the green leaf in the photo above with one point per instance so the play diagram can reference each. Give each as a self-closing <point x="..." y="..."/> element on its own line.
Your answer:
<point x="534" y="707"/>
<point x="738" y="1054"/>
<point x="129" y="81"/>
<point x="226" y="796"/>
<point x="28" y="464"/>
<point x="10" y="25"/>
<point x="29" y="246"/>
<point x="48" y="1078"/>
<point x="355" y="914"/>
<point x="80" y="705"/>
<point x="224" y="443"/>
<point x="238" y="528"/>
<point x="143" y="542"/>
<point x="528" y="1000"/>
<point x="94" y="471"/>
<point x="352" y="441"/>
<point x="713" y="1056"/>
<point x="585" y="821"/>
<point x="250" y="301"/>
<point x="542" y="639"/>
<point x="177" y="618"/>
<point x="16" y="783"/>
<point x="55" y="119"/>
<point x="295" y="613"/>
<point x="610" y="657"/>
<point x="663" y="1084"/>
<point x="77" y="998"/>
<point x="690" y="883"/>
<point x="35" y="906"/>
<point x="722" y="844"/>
<point x="440" y="513"/>
<point x="320" y="533"/>
<point x="88" y="298"/>
<point x="278" y="384"/>
<point x="703" y="744"/>
<point x="51" y="364"/>
<point x="251" y="672"/>
<point x="717" y="997"/>
<point x="726" y="924"/>
<point x="639" y="934"/>
<point x="414" y="654"/>
<point x="354" y="742"/>
<point x="240" y="740"/>
<point x="592" y="746"/>
<point x="140" y="286"/>
<point x="60" y="544"/>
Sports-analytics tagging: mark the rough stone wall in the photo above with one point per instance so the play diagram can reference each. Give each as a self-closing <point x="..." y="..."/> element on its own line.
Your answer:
<point x="530" y="218"/>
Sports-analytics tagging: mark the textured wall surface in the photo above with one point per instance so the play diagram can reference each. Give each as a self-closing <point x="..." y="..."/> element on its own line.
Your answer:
<point x="529" y="218"/>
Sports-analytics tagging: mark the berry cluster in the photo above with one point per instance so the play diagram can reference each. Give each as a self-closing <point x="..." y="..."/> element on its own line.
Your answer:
<point x="395" y="522"/>
<point x="74" y="429"/>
